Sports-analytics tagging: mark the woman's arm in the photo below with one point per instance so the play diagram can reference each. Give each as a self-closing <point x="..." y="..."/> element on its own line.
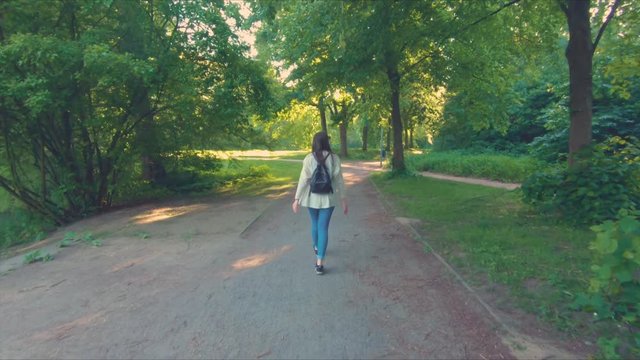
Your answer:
<point x="303" y="183"/>
<point x="338" y="183"/>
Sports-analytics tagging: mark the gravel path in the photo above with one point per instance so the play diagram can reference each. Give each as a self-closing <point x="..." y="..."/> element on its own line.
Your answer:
<point x="234" y="278"/>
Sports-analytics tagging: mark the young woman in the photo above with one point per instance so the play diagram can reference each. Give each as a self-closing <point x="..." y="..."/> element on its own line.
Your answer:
<point x="320" y="205"/>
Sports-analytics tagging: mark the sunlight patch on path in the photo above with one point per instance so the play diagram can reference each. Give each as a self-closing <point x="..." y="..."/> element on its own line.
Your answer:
<point x="254" y="153"/>
<point x="165" y="213"/>
<point x="257" y="260"/>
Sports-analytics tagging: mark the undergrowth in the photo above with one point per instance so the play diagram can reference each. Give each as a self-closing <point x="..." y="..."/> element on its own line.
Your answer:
<point x="494" y="166"/>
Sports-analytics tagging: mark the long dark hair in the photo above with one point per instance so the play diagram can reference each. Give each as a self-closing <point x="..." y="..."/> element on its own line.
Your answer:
<point x="320" y="144"/>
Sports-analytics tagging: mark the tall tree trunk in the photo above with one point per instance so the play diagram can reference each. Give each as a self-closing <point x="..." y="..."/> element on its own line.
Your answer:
<point x="579" y="55"/>
<point x="365" y="136"/>
<point x="397" y="161"/>
<point x="343" y="139"/>
<point x="147" y="138"/>
<point x="406" y="137"/>
<point x="43" y="174"/>
<point x="388" y="145"/>
<point x="411" y="145"/>
<point x="323" y="115"/>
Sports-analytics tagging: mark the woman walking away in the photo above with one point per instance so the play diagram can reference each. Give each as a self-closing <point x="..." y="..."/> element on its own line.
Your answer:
<point x="320" y="182"/>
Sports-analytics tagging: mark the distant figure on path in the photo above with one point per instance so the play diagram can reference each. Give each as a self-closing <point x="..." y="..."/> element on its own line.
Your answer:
<point x="320" y="181"/>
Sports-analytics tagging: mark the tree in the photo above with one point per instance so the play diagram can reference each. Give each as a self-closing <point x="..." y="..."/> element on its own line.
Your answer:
<point x="78" y="79"/>
<point x="579" y="54"/>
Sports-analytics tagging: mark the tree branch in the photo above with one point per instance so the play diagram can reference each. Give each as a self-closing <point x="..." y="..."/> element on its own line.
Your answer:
<point x="614" y="7"/>
<point x="430" y="54"/>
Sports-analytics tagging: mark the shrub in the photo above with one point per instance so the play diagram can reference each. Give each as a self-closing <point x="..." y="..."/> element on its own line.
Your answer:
<point x="604" y="180"/>
<point x="19" y="226"/>
<point x="614" y="291"/>
<point x="191" y="161"/>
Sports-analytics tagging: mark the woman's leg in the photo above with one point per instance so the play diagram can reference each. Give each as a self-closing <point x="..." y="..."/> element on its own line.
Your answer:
<point x="313" y="213"/>
<point x="324" y="216"/>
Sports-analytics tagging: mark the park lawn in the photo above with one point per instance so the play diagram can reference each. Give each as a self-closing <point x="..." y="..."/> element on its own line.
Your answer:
<point x="274" y="177"/>
<point x="494" y="166"/>
<point x="490" y="237"/>
<point x="353" y="154"/>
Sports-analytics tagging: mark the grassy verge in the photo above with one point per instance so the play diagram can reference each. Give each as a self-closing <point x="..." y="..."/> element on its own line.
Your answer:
<point x="354" y="154"/>
<point x="17" y="225"/>
<point x="491" y="166"/>
<point x="272" y="176"/>
<point x="490" y="237"/>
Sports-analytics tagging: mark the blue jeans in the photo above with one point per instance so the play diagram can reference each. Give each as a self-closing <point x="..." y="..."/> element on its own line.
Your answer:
<point x="320" y="229"/>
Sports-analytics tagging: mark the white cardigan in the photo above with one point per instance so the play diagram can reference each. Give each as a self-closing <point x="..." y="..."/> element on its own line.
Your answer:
<point x="305" y="197"/>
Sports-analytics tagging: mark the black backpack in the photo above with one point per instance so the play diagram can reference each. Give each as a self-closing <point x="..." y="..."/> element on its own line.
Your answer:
<point x="321" y="179"/>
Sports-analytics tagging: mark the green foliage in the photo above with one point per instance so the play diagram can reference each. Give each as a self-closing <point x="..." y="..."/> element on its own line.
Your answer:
<point x="491" y="166"/>
<point x="614" y="290"/>
<point x="604" y="181"/>
<point x="293" y="127"/>
<point x="91" y="240"/>
<point x="36" y="256"/>
<point x="533" y="108"/>
<point x="190" y="171"/>
<point x="89" y="87"/>
<point x="71" y="238"/>
<point x="20" y="226"/>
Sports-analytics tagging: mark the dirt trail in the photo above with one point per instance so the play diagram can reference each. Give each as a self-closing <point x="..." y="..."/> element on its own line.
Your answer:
<point x="234" y="278"/>
<point x="469" y="180"/>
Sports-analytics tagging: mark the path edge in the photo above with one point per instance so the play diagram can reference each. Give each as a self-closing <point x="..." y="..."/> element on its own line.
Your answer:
<point x="513" y="339"/>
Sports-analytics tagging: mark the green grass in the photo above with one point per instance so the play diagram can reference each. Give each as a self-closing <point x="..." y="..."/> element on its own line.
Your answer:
<point x="19" y="226"/>
<point x="491" y="166"/>
<point x="258" y="177"/>
<point x="490" y="236"/>
<point x="6" y="200"/>
<point x="354" y="154"/>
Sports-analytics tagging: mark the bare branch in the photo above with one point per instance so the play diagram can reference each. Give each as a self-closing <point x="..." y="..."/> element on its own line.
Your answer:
<point x="614" y="7"/>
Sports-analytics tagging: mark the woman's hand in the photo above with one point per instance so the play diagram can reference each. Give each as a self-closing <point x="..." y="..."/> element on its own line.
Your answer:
<point x="345" y="206"/>
<point x="295" y="206"/>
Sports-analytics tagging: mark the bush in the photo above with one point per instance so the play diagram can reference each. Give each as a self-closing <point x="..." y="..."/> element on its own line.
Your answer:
<point x="19" y="226"/>
<point x="614" y="291"/>
<point x="604" y="180"/>
<point x="191" y="161"/>
<point x="490" y="165"/>
<point x="191" y="171"/>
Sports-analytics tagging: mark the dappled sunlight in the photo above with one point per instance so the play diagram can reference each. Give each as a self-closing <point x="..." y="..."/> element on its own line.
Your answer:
<point x="278" y="191"/>
<point x="351" y="178"/>
<point x="257" y="260"/>
<point x="254" y="153"/>
<point x="165" y="213"/>
<point x="364" y="165"/>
